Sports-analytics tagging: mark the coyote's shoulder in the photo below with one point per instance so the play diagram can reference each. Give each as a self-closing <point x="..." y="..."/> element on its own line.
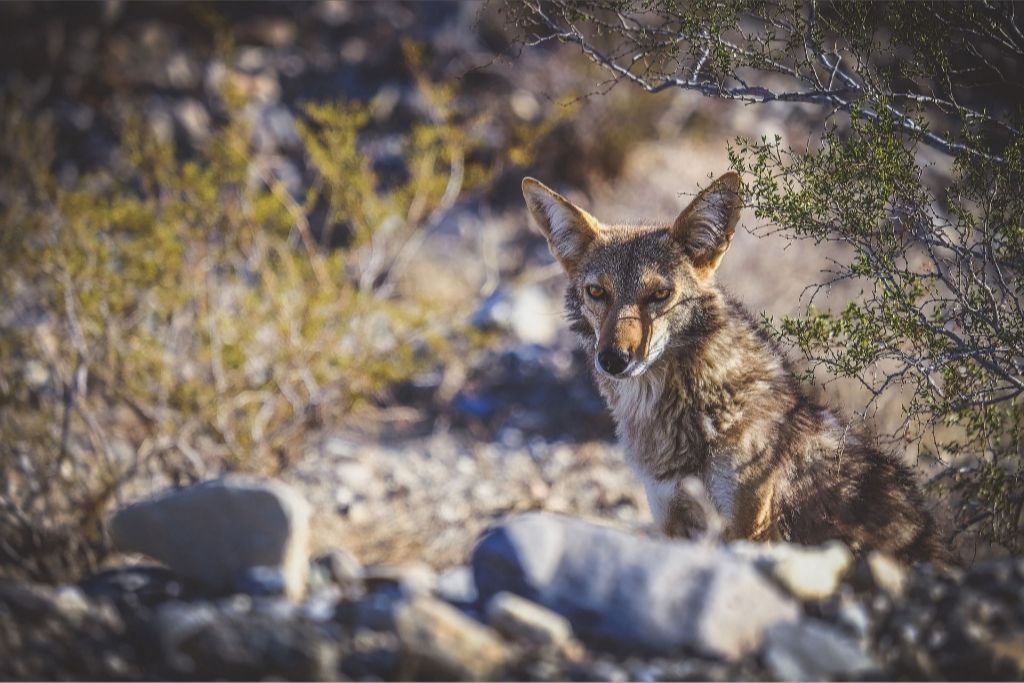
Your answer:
<point x="698" y="389"/>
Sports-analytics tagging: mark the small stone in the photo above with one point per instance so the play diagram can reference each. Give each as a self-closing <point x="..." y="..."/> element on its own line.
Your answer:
<point x="1008" y="650"/>
<point x="354" y="50"/>
<point x="35" y="374"/>
<point x="274" y="130"/>
<point x="336" y="447"/>
<point x="854" y="616"/>
<point x="813" y="574"/>
<point x="441" y="642"/>
<point x="148" y="585"/>
<point x="333" y="12"/>
<point x="261" y="88"/>
<point x="456" y="585"/>
<point x="71" y="602"/>
<point x="261" y="581"/>
<point x="193" y="118"/>
<point x="176" y="623"/>
<point x="886" y="573"/>
<point x="525" y="105"/>
<point x="252" y="59"/>
<point x="811" y="650"/>
<point x="806" y="573"/>
<point x="357" y="477"/>
<point x="213" y="532"/>
<point x="240" y="604"/>
<point x="322" y="605"/>
<point x="375" y="611"/>
<point x="415" y="578"/>
<point x="182" y="72"/>
<point x="523" y="620"/>
<point x="272" y="31"/>
<point x="342" y="567"/>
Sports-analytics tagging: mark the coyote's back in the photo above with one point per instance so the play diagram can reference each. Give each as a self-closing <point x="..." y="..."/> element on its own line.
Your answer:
<point x="698" y="389"/>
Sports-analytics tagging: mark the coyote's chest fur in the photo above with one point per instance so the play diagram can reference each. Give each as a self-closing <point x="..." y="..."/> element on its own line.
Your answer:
<point x="667" y="437"/>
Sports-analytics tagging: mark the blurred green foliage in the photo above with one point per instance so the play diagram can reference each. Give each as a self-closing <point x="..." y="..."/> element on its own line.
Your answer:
<point x="179" y="315"/>
<point x="939" y="312"/>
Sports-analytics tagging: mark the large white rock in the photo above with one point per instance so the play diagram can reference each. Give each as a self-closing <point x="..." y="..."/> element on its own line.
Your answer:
<point x="215" y="531"/>
<point x="632" y="592"/>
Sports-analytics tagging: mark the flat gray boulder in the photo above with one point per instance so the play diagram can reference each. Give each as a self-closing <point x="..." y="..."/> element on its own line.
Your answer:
<point x="632" y="593"/>
<point x="218" y="532"/>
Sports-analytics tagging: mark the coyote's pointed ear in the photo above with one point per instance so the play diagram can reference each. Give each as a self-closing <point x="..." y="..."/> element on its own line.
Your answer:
<point x="705" y="228"/>
<point x="569" y="229"/>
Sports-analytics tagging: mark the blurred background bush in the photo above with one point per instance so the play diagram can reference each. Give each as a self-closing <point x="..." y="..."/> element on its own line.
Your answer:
<point x="226" y="226"/>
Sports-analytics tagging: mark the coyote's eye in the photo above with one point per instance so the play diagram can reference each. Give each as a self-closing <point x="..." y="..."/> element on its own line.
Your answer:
<point x="661" y="295"/>
<point x="596" y="291"/>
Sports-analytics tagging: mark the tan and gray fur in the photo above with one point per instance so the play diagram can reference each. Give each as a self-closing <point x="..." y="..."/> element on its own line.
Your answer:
<point x="698" y="389"/>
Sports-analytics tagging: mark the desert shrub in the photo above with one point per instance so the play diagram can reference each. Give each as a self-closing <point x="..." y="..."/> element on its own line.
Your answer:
<point x="914" y="166"/>
<point x="171" y="316"/>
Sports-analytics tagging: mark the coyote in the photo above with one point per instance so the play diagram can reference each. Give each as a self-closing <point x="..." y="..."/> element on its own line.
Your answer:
<point x="697" y="388"/>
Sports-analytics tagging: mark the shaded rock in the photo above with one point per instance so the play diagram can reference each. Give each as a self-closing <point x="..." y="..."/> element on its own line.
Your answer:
<point x="375" y="611"/>
<point x="135" y="585"/>
<point x="811" y="650"/>
<point x="262" y="581"/>
<point x="215" y="531"/>
<point x="523" y="620"/>
<point x="440" y="641"/>
<point x="955" y="625"/>
<point x="632" y="593"/>
<point x="56" y="633"/>
<point x="233" y="641"/>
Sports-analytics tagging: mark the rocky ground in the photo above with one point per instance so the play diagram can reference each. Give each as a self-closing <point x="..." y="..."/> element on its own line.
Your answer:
<point x="539" y="597"/>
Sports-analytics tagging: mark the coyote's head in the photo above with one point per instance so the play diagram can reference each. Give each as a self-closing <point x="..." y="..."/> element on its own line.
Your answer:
<point x="636" y="290"/>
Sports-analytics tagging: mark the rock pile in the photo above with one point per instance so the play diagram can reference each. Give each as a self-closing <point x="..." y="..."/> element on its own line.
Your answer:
<point x="546" y="597"/>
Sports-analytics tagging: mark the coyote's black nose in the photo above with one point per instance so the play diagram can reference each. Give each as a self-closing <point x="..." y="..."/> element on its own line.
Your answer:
<point x="612" y="361"/>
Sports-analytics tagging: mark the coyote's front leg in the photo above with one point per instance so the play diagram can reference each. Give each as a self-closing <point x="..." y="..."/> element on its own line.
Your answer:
<point x="753" y="514"/>
<point x="685" y="508"/>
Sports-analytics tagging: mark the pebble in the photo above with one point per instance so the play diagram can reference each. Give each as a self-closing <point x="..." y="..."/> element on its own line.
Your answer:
<point x="440" y="641"/>
<point x="341" y="567"/>
<point x="526" y="621"/>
